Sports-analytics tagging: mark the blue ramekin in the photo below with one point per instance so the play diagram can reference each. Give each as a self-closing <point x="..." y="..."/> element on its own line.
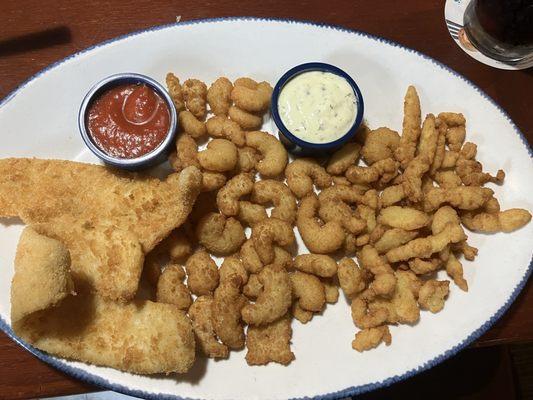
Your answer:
<point x="296" y="145"/>
<point x="156" y="156"/>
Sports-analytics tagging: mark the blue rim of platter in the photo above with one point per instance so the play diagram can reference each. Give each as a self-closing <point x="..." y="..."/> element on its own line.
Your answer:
<point x="323" y="67"/>
<point x="350" y="391"/>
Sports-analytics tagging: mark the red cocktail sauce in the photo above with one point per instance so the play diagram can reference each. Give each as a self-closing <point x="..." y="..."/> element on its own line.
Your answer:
<point x="128" y="121"/>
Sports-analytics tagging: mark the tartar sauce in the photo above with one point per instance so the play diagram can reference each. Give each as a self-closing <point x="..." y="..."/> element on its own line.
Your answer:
<point x="317" y="107"/>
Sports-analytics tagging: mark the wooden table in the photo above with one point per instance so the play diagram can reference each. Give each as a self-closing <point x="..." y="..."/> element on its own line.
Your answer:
<point x="35" y="33"/>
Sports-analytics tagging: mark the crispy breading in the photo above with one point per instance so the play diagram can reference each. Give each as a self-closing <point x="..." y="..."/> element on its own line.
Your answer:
<point x="371" y="337"/>
<point x="270" y="343"/>
<point x="43" y="190"/>
<point x="107" y="258"/>
<point x="140" y="337"/>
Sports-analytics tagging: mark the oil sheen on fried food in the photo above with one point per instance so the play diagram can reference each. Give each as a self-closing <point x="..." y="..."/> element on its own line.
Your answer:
<point x="318" y="107"/>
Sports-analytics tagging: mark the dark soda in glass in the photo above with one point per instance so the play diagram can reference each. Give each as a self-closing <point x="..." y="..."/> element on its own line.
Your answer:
<point x="501" y="29"/>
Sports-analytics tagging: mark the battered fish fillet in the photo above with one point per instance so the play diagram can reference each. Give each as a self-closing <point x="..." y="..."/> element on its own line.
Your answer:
<point x="107" y="219"/>
<point x="140" y="337"/>
<point x="42" y="190"/>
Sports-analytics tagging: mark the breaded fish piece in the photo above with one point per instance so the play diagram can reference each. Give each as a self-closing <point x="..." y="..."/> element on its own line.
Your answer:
<point x="140" y="337"/>
<point x="42" y="190"/>
<point x="104" y="257"/>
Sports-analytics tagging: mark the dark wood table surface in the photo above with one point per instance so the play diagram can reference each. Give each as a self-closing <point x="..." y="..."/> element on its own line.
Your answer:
<point x="36" y="33"/>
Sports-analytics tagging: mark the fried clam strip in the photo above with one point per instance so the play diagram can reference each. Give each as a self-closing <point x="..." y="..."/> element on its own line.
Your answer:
<point x="454" y="268"/>
<point x="367" y="339"/>
<point x="42" y="190"/>
<point x="89" y="328"/>
<point x="425" y="247"/>
<point x="411" y="128"/>
<point x="336" y="202"/>
<point x="461" y="197"/>
<point x="415" y="169"/>
<point x="502" y="221"/>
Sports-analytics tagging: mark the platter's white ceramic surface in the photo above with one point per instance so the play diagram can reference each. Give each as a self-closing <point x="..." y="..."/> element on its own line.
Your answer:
<point x="40" y="120"/>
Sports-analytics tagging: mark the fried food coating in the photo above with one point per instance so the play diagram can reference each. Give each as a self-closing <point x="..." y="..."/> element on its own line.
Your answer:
<point x="427" y="146"/>
<point x="274" y="300"/>
<point x="277" y="193"/>
<point x="177" y="245"/>
<point x="462" y="197"/>
<point x="268" y="232"/>
<point x="191" y="125"/>
<point x="405" y="218"/>
<point x="246" y="159"/>
<point x="452" y="119"/>
<point x="300" y="314"/>
<point x="195" y="96"/>
<point x="219" y="96"/>
<point x="232" y="265"/>
<point x="331" y="289"/>
<point x="220" y="156"/>
<point x="202" y="273"/>
<point x="424" y="266"/>
<point x="365" y="318"/>
<point x="454" y="269"/>
<point x="432" y="295"/>
<point x="251" y="213"/>
<point x="106" y="258"/>
<point x="392" y="195"/>
<point x="186" y="152"/>
<point x="370" y="338"/>
<point x="253" y="287"/>
<point x="302" y="173"/>
<point x="201" y="315"/>
<point x="227" y="305"/>
<point x="412" y="178"/>
<point x="89" y="328"/>
<point x="220" y="235"/>
<point x="149" y="208"/>
<point x="172" y="290"/>
<point x="42" y="274"/>
<point x="309" y="291"/>
<point x="402" y="307"/>
<point x="212" y="181"/>
<point x="175" y="91"/>
<point x="320" y="239"/>
<point x="221" y="127"/>
<point x="252" y="100"/>
<point x="336" y="204"/>
<point x="274" y="154"/>
<point x="351" y="278"/>
<point x="411" y="130"/>
<point x="250" y="258"/>
<point x="316" y="264"/>
<point x="270" y="343"/>
<point x="246" y="120"/>
<point x="343" y="158"/>
<point x="229" y="195"/>
<point x="447" y="179"/>
<point x="503" y="221"/>
<point x="380" y="144"/>
<point x="393" y="238"/>
<point x="381" y="172"/>
<point x="425" y="247"/>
